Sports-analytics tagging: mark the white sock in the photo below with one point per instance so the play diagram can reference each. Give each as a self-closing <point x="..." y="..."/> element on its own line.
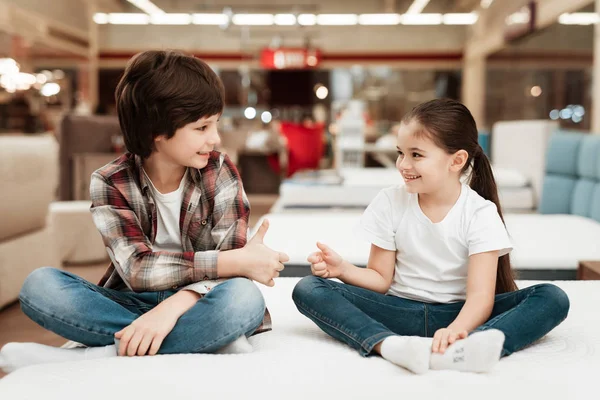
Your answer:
<point x="17" y="355"/>
<point x="239" y="346"/>
<point x="477" y="353"/>
<point x="410" y="352"/>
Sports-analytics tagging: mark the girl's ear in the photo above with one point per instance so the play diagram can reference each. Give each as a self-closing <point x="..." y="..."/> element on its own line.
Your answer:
<point x="459" y="159"/>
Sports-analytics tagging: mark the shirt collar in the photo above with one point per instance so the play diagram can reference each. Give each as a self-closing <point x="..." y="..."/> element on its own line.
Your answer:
<point x="194" y="173"/>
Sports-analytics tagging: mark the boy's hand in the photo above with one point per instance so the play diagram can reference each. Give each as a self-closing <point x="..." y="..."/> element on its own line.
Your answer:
<point x="146" y="334"/>
<point x="325" y="263"/>
<point x="262" y="263"/>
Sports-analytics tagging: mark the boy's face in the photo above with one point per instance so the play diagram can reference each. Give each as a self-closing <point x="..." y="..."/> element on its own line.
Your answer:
<point x="191" y="145"/>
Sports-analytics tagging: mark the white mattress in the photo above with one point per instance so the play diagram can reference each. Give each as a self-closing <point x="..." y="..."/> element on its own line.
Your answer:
<point x="297" y="234"/>
<point x="357" y="187"/>
<point x="552" y="241"/>
<point x="540" y="241"/>
<point x="298" y="361"/>
<point x="353" y="187"/>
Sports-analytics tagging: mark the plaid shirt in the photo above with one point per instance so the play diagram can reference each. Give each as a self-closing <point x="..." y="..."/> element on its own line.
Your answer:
<point x="214" y="217"/>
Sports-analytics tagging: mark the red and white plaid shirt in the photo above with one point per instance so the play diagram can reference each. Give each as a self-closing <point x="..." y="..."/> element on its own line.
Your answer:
<point x="214" y="217"/>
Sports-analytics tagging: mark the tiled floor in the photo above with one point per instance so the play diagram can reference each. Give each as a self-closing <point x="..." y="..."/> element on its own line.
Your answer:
<point x="16" y="327"/>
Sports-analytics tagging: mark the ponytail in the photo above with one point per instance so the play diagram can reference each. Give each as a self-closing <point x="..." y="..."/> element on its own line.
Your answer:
<point x="452" y="127"/>
<point x="482" y="181"/>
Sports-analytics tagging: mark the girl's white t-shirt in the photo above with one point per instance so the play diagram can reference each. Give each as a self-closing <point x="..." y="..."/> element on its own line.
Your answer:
<point x="432" y="258"/>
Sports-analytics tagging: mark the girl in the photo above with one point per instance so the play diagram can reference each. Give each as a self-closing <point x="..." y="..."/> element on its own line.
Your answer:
<point x="439" y="265"/>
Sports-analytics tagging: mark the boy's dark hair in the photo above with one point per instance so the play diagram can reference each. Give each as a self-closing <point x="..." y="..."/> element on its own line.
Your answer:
<point x="162" y="91"/>
<point x="452" y="127"/>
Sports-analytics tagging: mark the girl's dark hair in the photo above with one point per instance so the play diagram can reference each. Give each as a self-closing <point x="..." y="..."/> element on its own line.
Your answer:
<point x="162" y="91"/>
<point x="451" y="126"/>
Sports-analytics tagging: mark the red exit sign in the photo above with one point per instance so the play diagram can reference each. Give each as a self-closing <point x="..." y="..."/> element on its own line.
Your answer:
<point x="290" y="58"/>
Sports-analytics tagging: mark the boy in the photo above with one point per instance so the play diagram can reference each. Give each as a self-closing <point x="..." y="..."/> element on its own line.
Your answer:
<point x="167" y="211"/>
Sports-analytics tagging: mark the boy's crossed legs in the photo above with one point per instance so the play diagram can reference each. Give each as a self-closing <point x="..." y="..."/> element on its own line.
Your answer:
<point x="89" y="314"/>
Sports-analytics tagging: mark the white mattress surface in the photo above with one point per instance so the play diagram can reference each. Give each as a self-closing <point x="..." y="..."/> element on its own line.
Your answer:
<point x="540" y="241"/>
<point x="552" y="241"/>
<point x="505" y="177"/>
<point x="327" y="195"/>
<point x="298" y="361"/>
<point x="297" y="234"/>
<point x="511" y="198"/>
<point x="358" y="186"/>
<point x="380" y="177"/>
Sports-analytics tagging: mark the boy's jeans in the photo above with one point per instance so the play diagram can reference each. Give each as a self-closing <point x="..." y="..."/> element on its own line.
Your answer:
<point x="89" y="314"/>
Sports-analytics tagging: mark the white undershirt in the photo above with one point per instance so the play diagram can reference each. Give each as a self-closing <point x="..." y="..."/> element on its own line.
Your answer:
<point x="168" y="211"/>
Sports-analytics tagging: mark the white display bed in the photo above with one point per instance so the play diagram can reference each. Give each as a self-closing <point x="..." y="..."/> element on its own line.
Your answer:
<point x="298" y="361"/>
<point x="545" y="246"/>
<point x="356" y="187"/>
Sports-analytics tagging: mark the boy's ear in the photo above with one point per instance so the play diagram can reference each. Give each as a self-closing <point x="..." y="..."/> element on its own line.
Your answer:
<point x="459" y="159"/>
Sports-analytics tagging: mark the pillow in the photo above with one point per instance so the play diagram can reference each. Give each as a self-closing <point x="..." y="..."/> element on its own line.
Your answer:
<point x="506" y="177"/>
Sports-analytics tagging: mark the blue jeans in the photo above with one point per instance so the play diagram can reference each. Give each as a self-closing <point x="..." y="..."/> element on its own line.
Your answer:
<point x="362" y="318"/>
<point x="89" y="314"/>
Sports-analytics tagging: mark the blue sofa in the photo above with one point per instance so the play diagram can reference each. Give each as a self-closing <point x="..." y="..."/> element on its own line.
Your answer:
<point x="566" y="230"/>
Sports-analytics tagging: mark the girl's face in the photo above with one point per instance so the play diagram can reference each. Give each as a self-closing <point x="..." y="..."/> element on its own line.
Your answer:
<point x="425" y="167"/>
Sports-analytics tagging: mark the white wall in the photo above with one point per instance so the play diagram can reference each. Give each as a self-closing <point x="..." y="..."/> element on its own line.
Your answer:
<point x="563" y="37"/>
<point x="355" y="39"/>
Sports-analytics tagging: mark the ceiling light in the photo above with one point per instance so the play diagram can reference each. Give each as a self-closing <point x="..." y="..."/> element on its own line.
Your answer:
<point x="421" y="19"/>
<point x="337" y="19"/>
<point x="379" y="19"/>
<point x="253" y="19"/>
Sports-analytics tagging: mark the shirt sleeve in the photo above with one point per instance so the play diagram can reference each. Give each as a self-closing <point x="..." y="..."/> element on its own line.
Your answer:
<point x="487" y="232"/>
<point x="376" y="223"/>
<point x="131" y="251"/>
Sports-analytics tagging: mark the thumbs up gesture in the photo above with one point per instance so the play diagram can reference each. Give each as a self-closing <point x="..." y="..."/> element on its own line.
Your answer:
<point x="325" y="263"/>
<point x="263" y="264"/>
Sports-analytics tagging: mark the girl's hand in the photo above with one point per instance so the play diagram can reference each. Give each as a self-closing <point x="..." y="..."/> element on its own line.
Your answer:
<point x="325" y="263"/>
<point x="445" y="337"/>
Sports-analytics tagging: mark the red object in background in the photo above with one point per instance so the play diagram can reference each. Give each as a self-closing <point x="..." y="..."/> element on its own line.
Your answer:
<point x="305" y="146"/>
<point x="290" y="58"/>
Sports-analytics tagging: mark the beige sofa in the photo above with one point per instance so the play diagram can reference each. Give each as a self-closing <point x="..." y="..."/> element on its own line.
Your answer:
<point x="28" y="181"/>
<point x="85" y="145"/>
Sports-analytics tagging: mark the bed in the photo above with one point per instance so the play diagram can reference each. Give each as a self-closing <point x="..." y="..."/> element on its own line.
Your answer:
<point x="354" y="188"/>
<point x="297" y="361"/>
<point x="545" y="246"/>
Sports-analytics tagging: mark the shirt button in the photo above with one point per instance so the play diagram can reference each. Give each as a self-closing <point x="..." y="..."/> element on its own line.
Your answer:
<point x="175" y="287"/>
<point x="203" y="222"/>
